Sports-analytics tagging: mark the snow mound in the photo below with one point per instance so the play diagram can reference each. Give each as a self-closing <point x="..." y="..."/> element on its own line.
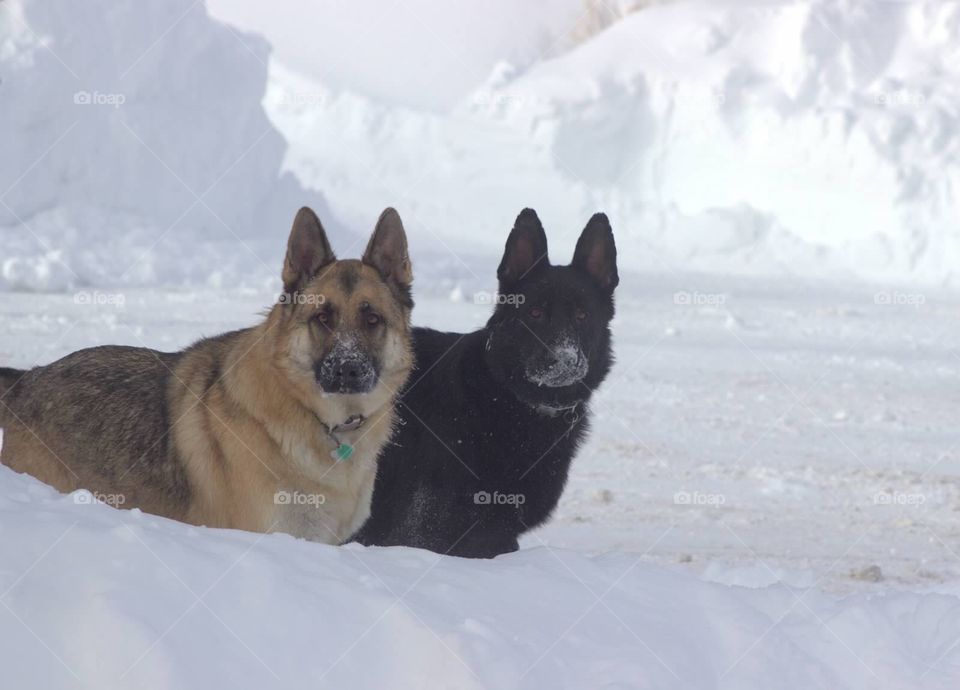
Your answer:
<point x="96" y="597"/>
<point x="818" y="138"/>
<point x="135" y="147"/>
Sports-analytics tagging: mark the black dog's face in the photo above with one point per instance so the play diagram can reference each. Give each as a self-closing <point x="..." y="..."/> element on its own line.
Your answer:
<point x="549" y="335"/>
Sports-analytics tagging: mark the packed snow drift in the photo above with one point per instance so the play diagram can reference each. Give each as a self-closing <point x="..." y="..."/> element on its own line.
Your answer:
<point x="99" y="598"/>
<point x="135" y="150"/>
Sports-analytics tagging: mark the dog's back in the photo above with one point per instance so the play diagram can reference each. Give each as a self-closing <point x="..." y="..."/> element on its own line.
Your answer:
<point x="8" y="379"/>
<point x="111" y="425"/>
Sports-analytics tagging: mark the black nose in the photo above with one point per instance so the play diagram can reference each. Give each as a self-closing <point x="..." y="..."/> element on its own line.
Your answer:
<point x="351" y="375"/>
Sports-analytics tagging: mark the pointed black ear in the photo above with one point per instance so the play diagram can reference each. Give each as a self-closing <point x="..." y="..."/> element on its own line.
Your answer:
<point x="387" y="250"/>
<point x="308" y="250"/>
<point x="596" y="253"/>
<point x="526" y="248"/>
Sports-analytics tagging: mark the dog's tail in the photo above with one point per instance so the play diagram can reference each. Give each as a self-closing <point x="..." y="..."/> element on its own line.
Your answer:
<point x="8" y="379"/>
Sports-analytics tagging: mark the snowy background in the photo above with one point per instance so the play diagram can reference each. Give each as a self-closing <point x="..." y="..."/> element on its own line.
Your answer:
<point x="770" y="497"/>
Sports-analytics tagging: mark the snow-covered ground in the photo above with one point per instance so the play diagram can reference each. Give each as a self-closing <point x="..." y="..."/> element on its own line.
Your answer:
<point x="770" y="497"/>
<point x="794" y="440"/>
<point x="98" y="598"/>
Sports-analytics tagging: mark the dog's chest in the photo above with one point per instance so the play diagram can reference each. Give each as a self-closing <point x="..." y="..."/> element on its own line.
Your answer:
<point x="325" y="502"/>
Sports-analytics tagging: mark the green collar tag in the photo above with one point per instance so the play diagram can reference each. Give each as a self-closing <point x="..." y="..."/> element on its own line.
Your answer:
<point x="342" y="453"/>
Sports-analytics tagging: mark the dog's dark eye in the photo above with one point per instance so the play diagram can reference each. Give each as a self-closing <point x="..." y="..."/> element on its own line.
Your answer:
<point x="581" y="314"/>
<point x="324" y="317"/>
<point x="373" y="319"/>
<point x="536" y="312"/>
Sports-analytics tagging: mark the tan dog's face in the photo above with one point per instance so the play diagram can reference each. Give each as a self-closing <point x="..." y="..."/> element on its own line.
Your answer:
<point x="346" y="324"/>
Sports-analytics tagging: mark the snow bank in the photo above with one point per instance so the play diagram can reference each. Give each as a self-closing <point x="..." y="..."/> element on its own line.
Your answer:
<point x="810" y="137"/>
<point x="807" y="137"/>
<point x="135" y="147"/>
<point x="98" y="598"/>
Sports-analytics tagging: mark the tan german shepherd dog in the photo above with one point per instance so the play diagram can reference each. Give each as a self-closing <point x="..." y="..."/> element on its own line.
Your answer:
<point x="272" y="428"/>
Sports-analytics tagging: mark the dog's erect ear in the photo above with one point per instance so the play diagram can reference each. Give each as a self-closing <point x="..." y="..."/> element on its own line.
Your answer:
<point x="526" y="248"/>
<point x="596" y="253"/>
<point x="387" y="250"/>
<point x="308" y="250"/>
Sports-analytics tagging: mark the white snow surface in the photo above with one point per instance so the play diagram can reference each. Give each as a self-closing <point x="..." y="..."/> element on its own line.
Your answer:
<point x="99" y="598"/>
<point x="768" y="499"/>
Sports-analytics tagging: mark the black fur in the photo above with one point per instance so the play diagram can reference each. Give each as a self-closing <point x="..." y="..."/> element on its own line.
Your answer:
<point x="475" y="426"/>
<point x="8" y="379"/>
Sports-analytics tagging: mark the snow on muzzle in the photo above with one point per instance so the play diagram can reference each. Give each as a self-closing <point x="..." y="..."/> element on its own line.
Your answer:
<point x="347" y="368"/>
<point x="565" y="364"/>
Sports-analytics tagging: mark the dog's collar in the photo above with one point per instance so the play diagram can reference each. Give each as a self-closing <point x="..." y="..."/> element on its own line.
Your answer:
<point x="343" y="450"/>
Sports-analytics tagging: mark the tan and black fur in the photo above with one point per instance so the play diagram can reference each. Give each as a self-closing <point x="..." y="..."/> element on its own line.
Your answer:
<point x="214" y="434"/>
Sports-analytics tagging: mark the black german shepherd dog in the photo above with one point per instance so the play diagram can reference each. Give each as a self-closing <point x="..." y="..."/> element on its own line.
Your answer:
<point x="492" y="419"/>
